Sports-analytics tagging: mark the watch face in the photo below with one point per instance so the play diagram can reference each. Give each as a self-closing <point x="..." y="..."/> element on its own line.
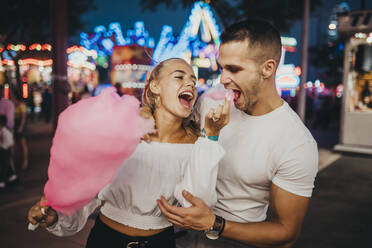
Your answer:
<point x="212" y="234"/>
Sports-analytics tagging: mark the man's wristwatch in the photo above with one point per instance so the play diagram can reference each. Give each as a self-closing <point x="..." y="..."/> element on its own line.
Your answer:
<point x="215" y="231"/>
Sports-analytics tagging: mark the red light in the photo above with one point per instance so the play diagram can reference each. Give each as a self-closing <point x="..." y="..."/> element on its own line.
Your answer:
<point x="72" y="49"/>
<point x="8" y="62"/>
<point x="201" y="81"/>
<point x="25" y="90"/>
<point x="33" y="46"/>
<point x="297" y="70"/>
<point x="46" y="47"/>
<point x="291" y="49"/>
<point x="6" y="91"/>
<point x="1" y="49"/>
<point x="9" y="47"/>
<point x="37" y="62"/>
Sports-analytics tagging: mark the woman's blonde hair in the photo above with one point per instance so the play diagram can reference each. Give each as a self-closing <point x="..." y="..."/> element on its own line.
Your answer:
<point x="149" y="99"/>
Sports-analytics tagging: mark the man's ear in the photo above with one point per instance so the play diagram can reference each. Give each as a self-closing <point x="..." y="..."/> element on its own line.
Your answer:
<point x="154" y="87"/>
<point x="268" y="68"/>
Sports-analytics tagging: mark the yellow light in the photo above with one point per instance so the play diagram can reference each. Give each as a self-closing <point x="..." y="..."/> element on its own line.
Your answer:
<point x="332" y="26"/>
<point x="203" y="62"/>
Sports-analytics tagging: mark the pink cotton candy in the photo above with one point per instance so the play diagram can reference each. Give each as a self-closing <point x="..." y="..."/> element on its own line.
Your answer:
<point x="220" y="94"/>
<point x="93" y="139"/>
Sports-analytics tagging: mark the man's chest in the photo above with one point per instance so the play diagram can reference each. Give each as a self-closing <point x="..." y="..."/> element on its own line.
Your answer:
<point x="250" y="159"/>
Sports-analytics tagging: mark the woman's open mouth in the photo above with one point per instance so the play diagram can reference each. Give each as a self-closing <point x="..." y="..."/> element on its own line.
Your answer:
<point x="186" y="99"/>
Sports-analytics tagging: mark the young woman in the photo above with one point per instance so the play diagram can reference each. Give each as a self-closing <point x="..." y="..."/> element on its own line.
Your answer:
<point x="177" y="158"/>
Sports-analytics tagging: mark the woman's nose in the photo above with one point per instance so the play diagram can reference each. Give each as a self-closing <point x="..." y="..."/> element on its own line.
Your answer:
<point x="190" y="83"/>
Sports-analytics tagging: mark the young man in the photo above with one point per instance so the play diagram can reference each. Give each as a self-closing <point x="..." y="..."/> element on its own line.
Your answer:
<point x="271" y="158"/>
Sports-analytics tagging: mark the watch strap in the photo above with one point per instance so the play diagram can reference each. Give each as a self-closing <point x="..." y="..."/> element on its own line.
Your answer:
<point x="218" y="225"/>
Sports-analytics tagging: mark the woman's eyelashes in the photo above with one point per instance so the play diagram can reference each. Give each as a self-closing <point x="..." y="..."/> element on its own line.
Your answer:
<point x="182" y="77"/>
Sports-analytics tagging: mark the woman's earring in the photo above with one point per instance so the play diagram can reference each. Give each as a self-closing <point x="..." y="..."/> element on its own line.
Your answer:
<point x="157" y="100"/>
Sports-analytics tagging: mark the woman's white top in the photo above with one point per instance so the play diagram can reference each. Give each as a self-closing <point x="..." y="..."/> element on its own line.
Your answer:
<point x="155" y="169"/>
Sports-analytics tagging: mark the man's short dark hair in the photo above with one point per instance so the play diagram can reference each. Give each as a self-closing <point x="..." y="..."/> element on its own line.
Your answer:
<point x="260" y="34"/>
<point x="3" y="120"/>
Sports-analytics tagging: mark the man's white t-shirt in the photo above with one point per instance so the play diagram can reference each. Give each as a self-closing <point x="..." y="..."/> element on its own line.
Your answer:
<point x="260" y="150"/>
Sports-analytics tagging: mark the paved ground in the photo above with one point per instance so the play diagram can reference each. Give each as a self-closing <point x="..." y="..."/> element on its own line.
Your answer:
<point x="339" y="214"/>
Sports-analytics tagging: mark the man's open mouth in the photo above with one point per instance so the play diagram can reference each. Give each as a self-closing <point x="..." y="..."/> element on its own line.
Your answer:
<point x="237" y="94"/>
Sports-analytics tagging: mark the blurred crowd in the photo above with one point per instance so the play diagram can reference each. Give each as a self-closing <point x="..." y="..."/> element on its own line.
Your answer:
<point x="16" y="111"/>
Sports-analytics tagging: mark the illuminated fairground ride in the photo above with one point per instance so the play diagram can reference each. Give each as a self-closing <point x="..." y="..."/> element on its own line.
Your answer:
<point x="128" y="58"/>
<point x="198" y="42"/>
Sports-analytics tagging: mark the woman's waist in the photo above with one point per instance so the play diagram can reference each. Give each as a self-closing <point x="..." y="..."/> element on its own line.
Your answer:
<point x="134" y="218"/>
<point x="128" y="230"/>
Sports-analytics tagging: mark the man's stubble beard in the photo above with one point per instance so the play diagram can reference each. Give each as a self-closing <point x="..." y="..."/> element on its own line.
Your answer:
<point x="251" y="99"/>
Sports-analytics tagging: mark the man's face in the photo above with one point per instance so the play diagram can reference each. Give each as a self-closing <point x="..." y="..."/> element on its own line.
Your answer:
<point x="240" y="72"/>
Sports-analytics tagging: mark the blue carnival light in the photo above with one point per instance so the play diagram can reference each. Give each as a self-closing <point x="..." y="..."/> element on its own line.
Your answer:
<point x="201" y="17"/>
<point x="116" y="28"/>
<point x="141" y="41"/>
<point x="108" y="45"/>
<point x="100" y="29"/>
<point x="103" y="40"/>
<point x="151" y="43"/>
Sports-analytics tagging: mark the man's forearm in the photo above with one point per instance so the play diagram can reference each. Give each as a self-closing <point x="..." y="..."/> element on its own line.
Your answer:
<point x="260" y="234"/>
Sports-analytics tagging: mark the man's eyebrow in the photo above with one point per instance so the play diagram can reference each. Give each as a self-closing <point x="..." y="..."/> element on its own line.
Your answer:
<point x="232" y="66"/>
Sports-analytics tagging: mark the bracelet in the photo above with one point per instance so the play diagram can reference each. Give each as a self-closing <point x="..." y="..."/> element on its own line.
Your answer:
<point x="223" y="226"/>
<point x="214" y="138"/>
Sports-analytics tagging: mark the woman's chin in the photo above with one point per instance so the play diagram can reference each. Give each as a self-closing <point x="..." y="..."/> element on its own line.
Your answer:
<point x="184" y="112"/>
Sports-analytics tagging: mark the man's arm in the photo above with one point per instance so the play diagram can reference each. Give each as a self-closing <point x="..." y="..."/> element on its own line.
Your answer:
<point x="282" y="231"/>
<point x="288" y="212"/>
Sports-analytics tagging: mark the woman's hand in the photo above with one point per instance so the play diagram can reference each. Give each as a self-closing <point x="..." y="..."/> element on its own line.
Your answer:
<point x="215" y="120"/>
<point x="43" y="215"/>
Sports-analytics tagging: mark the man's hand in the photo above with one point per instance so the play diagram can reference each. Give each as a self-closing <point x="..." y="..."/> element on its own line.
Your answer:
<point x="198" y="217"/>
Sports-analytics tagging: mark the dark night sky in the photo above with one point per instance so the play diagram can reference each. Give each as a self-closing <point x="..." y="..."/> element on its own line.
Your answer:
<point x="128" y="12"/>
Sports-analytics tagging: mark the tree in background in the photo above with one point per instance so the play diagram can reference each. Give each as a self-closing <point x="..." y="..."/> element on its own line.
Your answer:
<point x="27" y="22"/>
<point x="281" y="13"/>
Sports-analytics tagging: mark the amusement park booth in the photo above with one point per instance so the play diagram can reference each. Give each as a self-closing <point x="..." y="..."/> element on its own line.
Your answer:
<point x="356" y="112"/>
